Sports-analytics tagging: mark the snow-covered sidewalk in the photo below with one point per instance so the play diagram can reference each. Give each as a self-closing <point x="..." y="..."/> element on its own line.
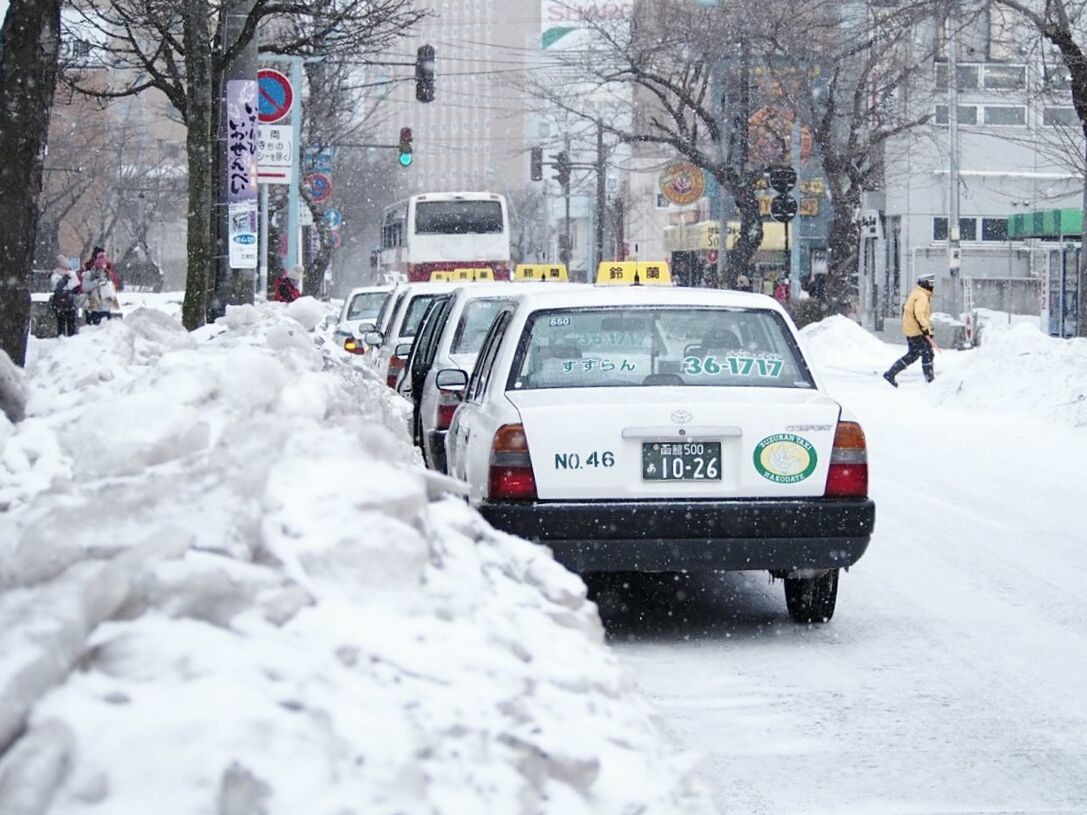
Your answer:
<point x="225" y="587"/>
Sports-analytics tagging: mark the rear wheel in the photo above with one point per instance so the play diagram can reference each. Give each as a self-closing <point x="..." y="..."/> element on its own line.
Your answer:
<point x="812" y="599"/>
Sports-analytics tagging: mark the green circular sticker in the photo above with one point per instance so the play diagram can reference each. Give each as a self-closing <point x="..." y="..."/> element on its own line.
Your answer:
<point x="785" y="458"/>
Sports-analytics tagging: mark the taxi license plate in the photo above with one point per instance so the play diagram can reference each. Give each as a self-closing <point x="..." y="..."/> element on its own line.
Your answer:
<point x="681" y="461"/>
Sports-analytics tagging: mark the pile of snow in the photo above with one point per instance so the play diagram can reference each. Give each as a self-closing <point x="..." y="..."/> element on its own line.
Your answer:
<point x="169" y="302"/>
<point x="838" y="342"/>
<point x="988" y="319"/>
<point x="1020" y="370"/>
<point x="1016" y="370"/>
<point x="225" y="587"/>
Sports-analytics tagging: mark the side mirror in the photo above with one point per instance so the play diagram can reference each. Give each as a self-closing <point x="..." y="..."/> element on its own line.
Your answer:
<point x="374" y="338"/>
<point x="329" y="320"/>
<point x="451" y="380"/>
<point x="402" y="350"/>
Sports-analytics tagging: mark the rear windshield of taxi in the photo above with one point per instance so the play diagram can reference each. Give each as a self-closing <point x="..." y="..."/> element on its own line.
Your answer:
<point x="657" y="346"/>
<point x="366" y="305"/>
<point x="475" y="322"/>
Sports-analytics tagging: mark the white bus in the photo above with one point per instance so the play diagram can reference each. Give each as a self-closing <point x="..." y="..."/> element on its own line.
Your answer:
<point x="437" y="232"/>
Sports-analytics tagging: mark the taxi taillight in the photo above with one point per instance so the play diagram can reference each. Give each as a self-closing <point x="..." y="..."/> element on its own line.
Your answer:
<point x="511" y="477"/>
<point x="848" y="476"/>
<point x="353" y="346"/>
<point x="392" y="373"/>
<point x="447" y="406"/>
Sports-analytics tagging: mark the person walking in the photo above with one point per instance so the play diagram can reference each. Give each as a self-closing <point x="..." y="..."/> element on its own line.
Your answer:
<point x="98" y="285"/>
<point x="284" y="289"/>
<point x="743" y="283"/>
<point x="65" y="285"/>
<point x="917" y="326"/>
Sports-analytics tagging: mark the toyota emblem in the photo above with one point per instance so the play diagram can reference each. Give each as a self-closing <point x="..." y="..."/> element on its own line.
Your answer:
<point x="681" y="416"/>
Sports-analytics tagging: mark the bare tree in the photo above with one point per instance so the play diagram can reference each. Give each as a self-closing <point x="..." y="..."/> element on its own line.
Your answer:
<point x="843" y="72"/>
<point x="29" y="48"/>
<point x="1060" y="22"/>
<point x="186" y="49"/>
<point x="674" y="63"/>
<point x="692" y="71"/>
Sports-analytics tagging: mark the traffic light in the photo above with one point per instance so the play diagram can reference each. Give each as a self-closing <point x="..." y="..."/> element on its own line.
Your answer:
<point x="562" y="168"/>
<point x="537" y="163"/>
<point x="405" y="147"/>
<point x="424" y="73"/>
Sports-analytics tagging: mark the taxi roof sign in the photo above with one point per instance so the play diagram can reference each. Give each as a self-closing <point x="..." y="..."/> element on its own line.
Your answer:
<point x="633" y="273"/>
<point x="472" y="274"/>
<point x="541" y="272"/>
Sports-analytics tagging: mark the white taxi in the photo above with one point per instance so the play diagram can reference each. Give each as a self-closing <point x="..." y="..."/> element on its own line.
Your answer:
<point x="399" y="320"/>
<point x="460" y="335"/>
<point x="663" y="429"/>
<point x="360" y="311"/>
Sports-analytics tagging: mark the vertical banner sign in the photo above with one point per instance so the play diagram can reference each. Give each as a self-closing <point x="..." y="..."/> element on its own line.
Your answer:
<point x="241" y="167"/>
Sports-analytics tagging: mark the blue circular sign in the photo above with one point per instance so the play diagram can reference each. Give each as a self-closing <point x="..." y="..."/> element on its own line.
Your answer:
<point x="320" y="186"/>
<point x="333" y="218"/>
<point x="275" y="96"/>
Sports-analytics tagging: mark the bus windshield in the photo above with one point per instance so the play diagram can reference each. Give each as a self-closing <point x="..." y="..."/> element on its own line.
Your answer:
<point x="458" y="217"/>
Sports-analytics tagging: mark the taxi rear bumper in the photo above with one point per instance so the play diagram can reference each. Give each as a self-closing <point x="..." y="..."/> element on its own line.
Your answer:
<point x="774" y="535"/>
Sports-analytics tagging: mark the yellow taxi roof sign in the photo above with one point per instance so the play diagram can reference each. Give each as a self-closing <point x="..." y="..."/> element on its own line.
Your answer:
<point x="439" y="277"/>
<point x="472" y="274"/>
<point x="654" y="273"/>
<point x="540" y="272"/>
<point x="633" y="273"/>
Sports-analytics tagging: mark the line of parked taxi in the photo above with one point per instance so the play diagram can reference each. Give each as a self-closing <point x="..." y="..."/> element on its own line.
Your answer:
<point x="630" y="425"/>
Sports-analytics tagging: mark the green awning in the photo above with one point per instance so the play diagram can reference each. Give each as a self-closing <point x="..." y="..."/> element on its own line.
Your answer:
<point x="1045" y="223"/>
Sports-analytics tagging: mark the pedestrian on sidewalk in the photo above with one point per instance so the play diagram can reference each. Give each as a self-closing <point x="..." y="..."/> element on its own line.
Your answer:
<point x="65" y="285"/>
<point x="284" y="289"/>
<point x="917" y="326"/>
<point x="98" y="285"/>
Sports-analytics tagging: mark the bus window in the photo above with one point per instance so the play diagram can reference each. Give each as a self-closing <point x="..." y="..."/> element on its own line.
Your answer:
<point x="458" y="217"/>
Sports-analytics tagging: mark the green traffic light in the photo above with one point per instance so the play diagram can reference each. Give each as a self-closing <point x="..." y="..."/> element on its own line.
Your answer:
<point x="405" y="159"/>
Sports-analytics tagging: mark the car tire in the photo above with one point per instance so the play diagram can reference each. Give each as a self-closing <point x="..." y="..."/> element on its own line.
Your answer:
<point x="812" y="599"/>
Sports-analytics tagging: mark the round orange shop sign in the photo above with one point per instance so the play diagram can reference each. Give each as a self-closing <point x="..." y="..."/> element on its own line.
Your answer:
<point x="682" y="183"/>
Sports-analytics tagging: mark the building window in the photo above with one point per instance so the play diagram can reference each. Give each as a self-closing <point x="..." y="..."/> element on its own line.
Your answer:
<point x="968" y="228"/>
<point x="968" y="114"/>
<point x="1006" y="115"/>
<point x="662" y="201"/>
<point x="968" y="76"/>
<point x="1060" y="117"/>
<point x="1005" y="77"/>
<point x="994" y="229"/>
<point x="1057" y="78"/>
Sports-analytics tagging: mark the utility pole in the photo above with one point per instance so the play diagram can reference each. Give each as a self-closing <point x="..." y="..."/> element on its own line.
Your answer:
<point x="564" y="252"/>
<point x="228" y="285"/>
<point x="601" y="198"/>
<point x="954" y="250"/>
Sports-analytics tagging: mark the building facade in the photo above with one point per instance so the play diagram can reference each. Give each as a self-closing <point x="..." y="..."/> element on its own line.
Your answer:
<point x="1018" y="150"/>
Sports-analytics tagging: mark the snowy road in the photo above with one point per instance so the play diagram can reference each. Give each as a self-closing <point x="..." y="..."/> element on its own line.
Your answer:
<point x="951" y="680"/>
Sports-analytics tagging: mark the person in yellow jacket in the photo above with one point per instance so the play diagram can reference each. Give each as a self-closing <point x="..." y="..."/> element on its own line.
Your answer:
<point x="917" y="326"/>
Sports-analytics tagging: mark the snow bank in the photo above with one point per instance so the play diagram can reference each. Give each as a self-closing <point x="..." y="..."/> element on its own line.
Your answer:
<point x="838" y="342"/>
<point x="1047" y="376"/>
<point x="1016" y="370"/>
<point x="225" y="588"/>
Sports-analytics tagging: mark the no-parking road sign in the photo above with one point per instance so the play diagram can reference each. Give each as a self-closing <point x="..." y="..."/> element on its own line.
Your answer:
<point x="276" y="95"/>
<point x="320" y="186"/>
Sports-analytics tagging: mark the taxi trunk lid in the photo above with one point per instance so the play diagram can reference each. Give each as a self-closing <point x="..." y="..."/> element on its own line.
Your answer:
<point x="624" y="443"/>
